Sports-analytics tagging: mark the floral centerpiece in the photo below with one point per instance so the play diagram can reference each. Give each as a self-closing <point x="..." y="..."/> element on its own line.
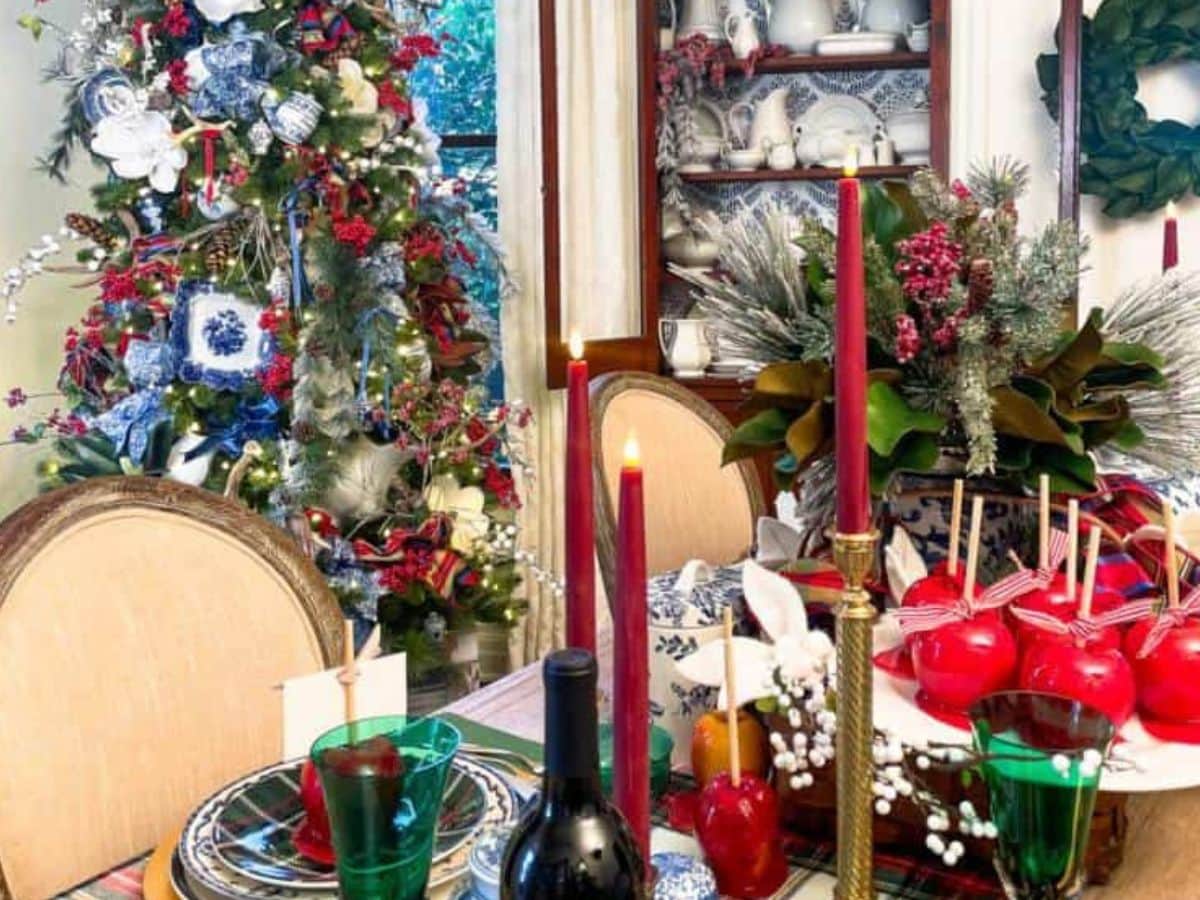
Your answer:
<point x="281" y="311"/>
<point x="972" y="362"/>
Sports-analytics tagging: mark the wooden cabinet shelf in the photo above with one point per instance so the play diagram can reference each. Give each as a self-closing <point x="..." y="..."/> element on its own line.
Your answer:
<point x="817" y="173"/>
<point x="778" y="65"/>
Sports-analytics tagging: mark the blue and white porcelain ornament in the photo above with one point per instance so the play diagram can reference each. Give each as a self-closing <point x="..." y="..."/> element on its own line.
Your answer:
<point x="108" y="93"/>
<point x="221" y="11"/>
<point x="682" y="877"/>
<point x="149" y="364"/>
<point x="150" y="212"/>
<point x="229" y="78"/>
<point x="217" y="337"/>
<point x="141" y="145"/>
<point x="295" y="118"/>
<point x="261" y="138"/>
<point x="186" y="468"/>
<point x="220" y="207"/>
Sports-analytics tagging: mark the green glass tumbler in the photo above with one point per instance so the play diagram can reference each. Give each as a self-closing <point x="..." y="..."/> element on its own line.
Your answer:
<point x="383" y="781"/>
<point x="1043" y="754"/>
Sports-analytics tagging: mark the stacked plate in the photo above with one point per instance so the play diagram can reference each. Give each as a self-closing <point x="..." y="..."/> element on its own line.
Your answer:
<point x="239" y="843"/>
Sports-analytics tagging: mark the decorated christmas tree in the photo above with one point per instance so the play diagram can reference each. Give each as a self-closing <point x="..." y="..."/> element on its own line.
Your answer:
<point x="281" y="312"/>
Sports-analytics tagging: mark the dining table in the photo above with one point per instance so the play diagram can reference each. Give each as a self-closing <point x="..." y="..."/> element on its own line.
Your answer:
<point x="1159" y="861"/>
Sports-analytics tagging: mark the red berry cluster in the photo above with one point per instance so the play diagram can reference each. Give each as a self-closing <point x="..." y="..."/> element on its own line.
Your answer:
<point x="908" y="338"/>
<point x="929" y="263"/>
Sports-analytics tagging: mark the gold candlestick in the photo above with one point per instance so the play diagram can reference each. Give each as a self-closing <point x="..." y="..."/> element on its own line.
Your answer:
<point x="854" y="555"/>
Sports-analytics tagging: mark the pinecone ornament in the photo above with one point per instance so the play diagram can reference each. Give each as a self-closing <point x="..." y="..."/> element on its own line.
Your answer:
<point x="92" y="229"/>
<point x="220" y="248"/>
<point x="981" y="282"/>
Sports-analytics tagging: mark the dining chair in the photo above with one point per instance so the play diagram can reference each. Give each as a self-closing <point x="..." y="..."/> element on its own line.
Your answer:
<point x="144" y="627"/>
<point x="695" y="507"/>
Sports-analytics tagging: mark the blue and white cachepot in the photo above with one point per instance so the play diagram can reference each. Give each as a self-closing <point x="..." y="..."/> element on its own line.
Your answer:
<point x="687" y="609"/>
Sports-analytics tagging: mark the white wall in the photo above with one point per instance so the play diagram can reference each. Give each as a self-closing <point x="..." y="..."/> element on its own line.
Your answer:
<point x="31" y="205"/>
<point x="996" y="108"/>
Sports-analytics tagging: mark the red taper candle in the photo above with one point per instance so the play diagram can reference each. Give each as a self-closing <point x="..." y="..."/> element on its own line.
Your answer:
<point x="581" y="529"/>
<point x="1170" y="238"/>
<point x="631" y="657"/>
<point x="850" y="362"/>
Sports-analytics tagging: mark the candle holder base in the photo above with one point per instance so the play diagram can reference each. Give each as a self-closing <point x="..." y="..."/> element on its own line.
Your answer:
<point x="854" y="555"/>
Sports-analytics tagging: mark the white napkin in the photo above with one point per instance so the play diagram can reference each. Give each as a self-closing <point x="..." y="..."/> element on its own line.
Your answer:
<point x="312" y="704"/>
<point x="778" y="542"/>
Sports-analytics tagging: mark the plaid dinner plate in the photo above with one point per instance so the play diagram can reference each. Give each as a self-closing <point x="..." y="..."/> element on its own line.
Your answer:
<point x="476" y="796"/>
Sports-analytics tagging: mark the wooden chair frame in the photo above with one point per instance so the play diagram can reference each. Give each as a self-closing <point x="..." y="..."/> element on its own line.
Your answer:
<point x="28" y="530"/>
<point x="603" y="391"/>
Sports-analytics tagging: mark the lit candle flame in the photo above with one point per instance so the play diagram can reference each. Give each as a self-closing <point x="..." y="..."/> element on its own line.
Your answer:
<point x="1172" y="210"/>
<point x="850" y="167"/>
<point x="633" y="453"/>
<point x="575" y="344"/>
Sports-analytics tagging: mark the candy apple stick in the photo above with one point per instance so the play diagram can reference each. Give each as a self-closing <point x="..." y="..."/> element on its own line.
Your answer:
<point x="348" y="676"/>
<point x="955" y="527"/>
<point x="1073" y="546"/>
<point x="1089" y="574"/>
<point x="1043" y="521"/>
<point x="735" y="750"/>
<point x="1170" y="560"/>
<point x="973" y="550"/>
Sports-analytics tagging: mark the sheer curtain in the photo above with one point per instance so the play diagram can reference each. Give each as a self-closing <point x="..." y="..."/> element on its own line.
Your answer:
<point x="597" y="84"/>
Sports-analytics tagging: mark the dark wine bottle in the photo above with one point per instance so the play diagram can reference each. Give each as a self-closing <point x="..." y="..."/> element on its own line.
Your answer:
<point x="572" y="844"/>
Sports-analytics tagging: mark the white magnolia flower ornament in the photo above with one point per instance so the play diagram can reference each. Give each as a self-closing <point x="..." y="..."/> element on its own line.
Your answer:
<point x="464" y="505"/>
<point x="796" y="653"/>
<point x="357" y="88"/>
<point x="221" y="11"/>
<point x="141" y="145"/>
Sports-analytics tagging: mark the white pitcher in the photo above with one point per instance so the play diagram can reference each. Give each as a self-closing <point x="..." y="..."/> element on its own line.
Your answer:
<point x="799" y="24"/>
<point x="700" y="17"/>
<point x="685" y="345"/>
<point x="893" y="16"/>
<point x="742" y="33"/>
<point x="769" y="122"/>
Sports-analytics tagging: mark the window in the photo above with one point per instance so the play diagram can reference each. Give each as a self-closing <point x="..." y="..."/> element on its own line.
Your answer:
<point x="460" y="89"/>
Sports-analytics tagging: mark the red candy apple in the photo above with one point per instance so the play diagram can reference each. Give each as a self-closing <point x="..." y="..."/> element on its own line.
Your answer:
<point x="962" y="661"/>
<point x="1055" y="601"/>
<point x="1168" y="676"/>
<point x="313" y="839"/>
<point x="936" y="590"/>
<point x="738" y="829"/>
<point x="1094" y="674"/>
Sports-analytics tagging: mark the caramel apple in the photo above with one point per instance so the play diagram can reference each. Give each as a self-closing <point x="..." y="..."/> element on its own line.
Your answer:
<point x="710" y="746"/>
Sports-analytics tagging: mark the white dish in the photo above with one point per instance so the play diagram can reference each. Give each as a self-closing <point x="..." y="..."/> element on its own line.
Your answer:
<point x="849" y="43"/>
<point x="746" y="160"/>
<point x="839" y="113"/>
<point x="1148" y="764"/>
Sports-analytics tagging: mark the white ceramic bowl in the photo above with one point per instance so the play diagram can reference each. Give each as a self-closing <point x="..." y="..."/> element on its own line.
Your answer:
<point x="746" y="160"/>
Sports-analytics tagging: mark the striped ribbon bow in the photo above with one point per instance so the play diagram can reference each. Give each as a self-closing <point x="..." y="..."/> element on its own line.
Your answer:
<point x="1089" y="628"/>
<point x="1170" y="618"/>
<point x="916" y="619"/>
<point x="1056" y="555"/>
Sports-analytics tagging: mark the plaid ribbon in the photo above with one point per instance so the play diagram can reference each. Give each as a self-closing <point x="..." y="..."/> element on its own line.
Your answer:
<point x="1168" y="618"/>
<point x="918" y="619"/>
<point x="1120" y="573"/>
<point x="1085" y="629"/>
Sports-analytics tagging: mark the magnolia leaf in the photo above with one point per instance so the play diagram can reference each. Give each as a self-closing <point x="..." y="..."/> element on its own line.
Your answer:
<point x="890" y="418"/>
<point x="807" y="434"/>
<point x="1130" y="354"/>
<point x="1070" y="473"/>
<point x="798" y="383"/>
<point x="761" y="432"/>
<point x="882" y="219"/>
<point x="1013" y="454"/>
<point x="917" y="452"/>
<point x="914" y="217"/>
<point x="1101" y="411"/>
<point x="1129" y="437"/>
<point x="1018" y="415"/>
<point x="1067" y="367"/>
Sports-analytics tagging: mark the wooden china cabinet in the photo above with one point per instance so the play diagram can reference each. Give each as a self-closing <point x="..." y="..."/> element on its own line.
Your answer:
<point x="888" y="79"/>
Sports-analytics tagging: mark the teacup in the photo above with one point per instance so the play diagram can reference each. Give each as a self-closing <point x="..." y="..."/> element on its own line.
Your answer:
<point x="745" y="160"/>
